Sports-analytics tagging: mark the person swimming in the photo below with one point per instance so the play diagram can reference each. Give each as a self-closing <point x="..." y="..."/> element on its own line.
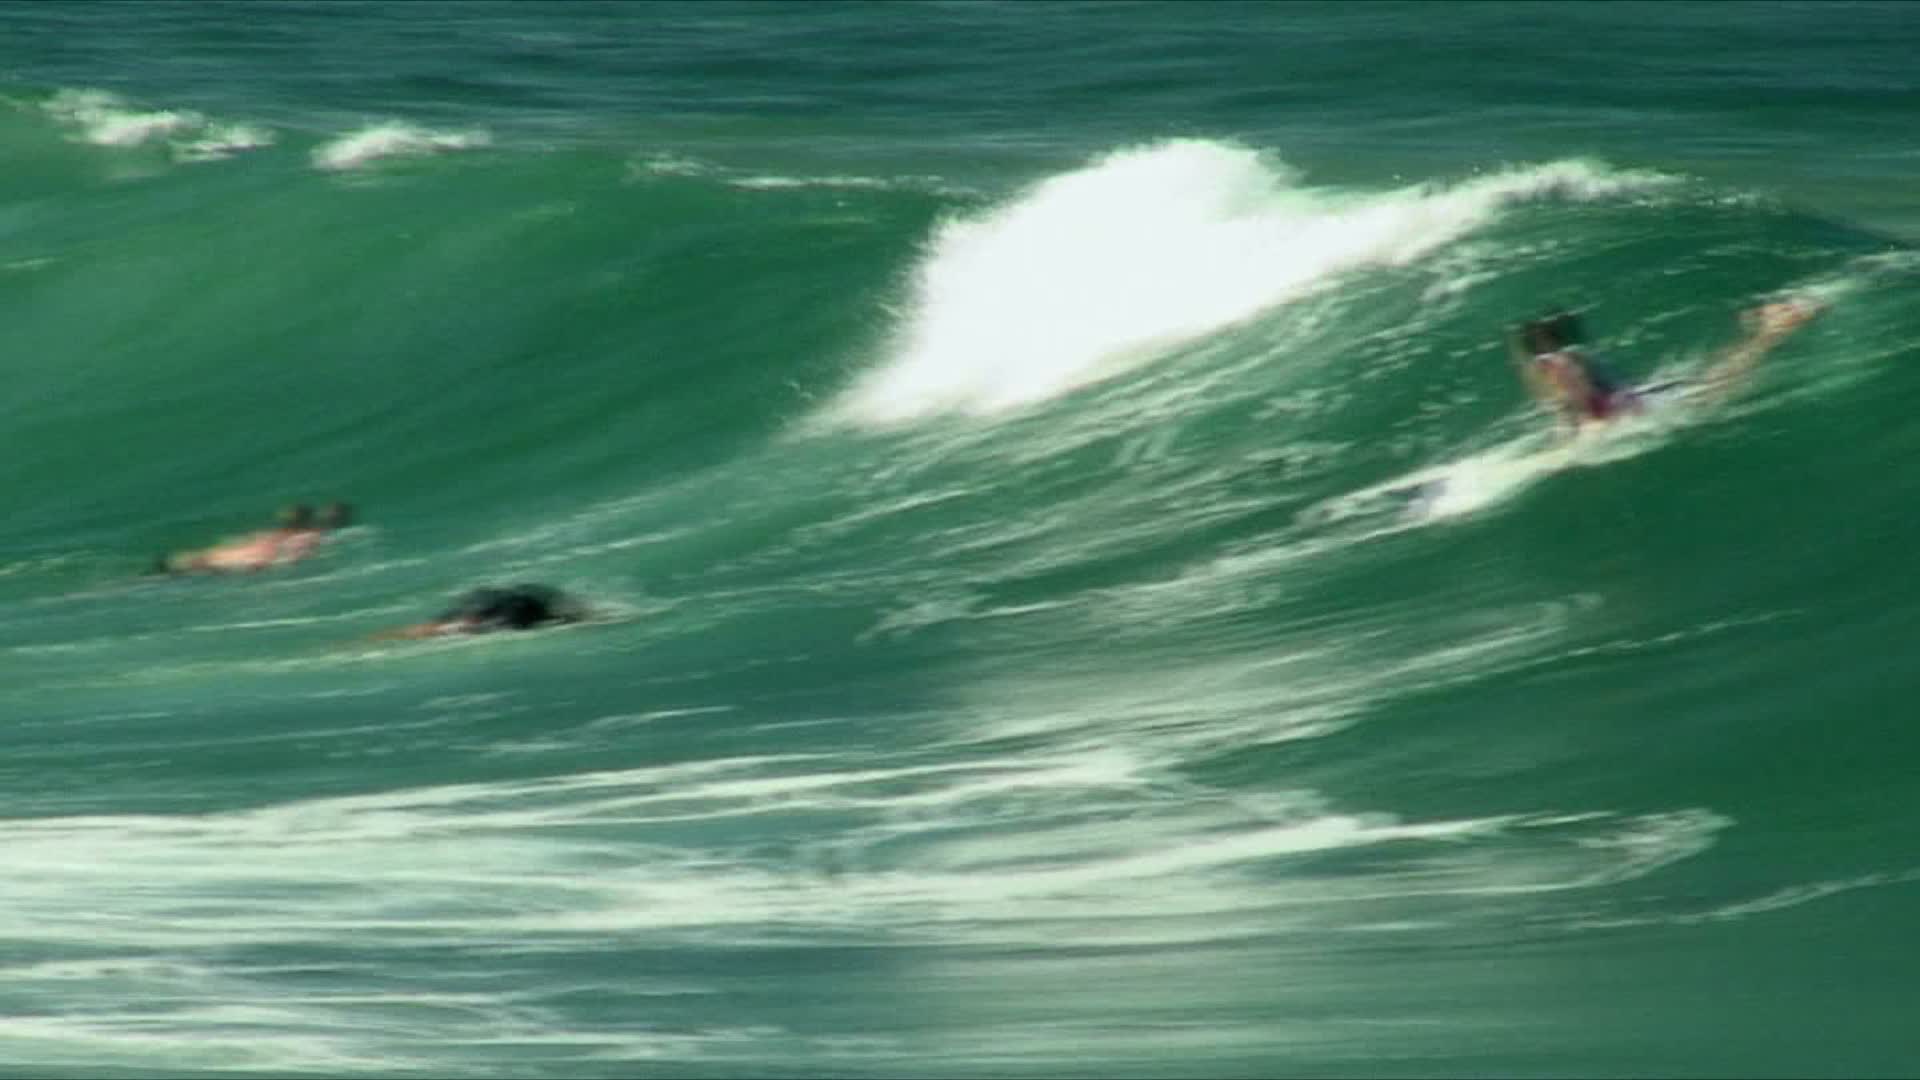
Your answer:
<point x="1569" y="379"/>
<point x="488" y="610"/>
<point x="296" y="536"/>
<point x="300" y="543"/>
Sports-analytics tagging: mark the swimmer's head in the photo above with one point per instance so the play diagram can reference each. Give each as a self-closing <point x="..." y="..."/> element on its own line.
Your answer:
<point x="1552" y="333"/>
<point x="297" y="516"/>
<point x="336" y="515"/>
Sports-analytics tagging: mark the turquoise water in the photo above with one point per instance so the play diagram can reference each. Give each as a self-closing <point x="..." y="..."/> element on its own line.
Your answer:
<point x="976" y="426"/>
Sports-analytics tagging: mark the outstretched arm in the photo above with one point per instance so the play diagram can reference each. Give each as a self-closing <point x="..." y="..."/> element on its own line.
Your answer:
<point x="1767" y="326"/>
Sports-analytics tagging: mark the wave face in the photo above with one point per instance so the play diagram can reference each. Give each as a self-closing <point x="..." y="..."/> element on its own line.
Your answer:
<point x="1080" y="588"/>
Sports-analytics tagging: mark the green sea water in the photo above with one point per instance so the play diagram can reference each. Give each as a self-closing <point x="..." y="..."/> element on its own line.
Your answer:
<point x="984" y="433"/>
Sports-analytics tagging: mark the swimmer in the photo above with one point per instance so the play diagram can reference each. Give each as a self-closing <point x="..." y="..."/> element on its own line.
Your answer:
<point x="301" y="543"/>
<point x="484" y="611"/>
<point x="1573" y="382"/>
<point x="295" y="537"/>
<point x="1565" y="376"/>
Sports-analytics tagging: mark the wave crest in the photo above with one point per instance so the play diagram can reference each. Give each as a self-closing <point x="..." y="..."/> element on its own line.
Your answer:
<point x="1091" y="272"/>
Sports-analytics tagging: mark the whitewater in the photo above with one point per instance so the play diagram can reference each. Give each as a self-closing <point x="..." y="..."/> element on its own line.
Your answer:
<point x="1015" y="650"/>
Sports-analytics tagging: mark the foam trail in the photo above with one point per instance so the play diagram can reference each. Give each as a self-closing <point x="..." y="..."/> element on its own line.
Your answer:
<point x="1469" y="484"/>
<point x="364" y="147"/>
<point x="1009" y="851"/>
<point x="1093" y="271"/>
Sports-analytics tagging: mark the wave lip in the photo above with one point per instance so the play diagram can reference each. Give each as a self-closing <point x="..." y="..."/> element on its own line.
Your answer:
<point x="1093" y="271"/>
<point x="392" y="139"/>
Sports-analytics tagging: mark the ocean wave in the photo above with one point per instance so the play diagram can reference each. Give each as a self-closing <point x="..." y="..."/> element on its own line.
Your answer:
<point x="1092" y="272"/>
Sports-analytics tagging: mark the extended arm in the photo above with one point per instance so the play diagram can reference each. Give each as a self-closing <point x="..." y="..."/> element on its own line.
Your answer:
<point x="1767" y="326"/>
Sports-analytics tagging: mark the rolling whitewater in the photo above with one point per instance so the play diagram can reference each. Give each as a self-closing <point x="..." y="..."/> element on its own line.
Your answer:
<point x="975" y="429"/>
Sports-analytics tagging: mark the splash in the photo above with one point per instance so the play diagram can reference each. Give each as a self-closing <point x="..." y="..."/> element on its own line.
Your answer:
<point x="100" y="118"/>
<point x="222" y="141"/>
<point x="103" y="119"/>
<point x="369" y="145"/>
<point x="1471" y="483"/>
<point x="1092" y="272"/>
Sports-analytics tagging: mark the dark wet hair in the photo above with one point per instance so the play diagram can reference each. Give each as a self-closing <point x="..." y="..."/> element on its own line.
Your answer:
<point x="1551" y="333"/>
<point x="297" y="516"/>
<point x="516" y="607"/>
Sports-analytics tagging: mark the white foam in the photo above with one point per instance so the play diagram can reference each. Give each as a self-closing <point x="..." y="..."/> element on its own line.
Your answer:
<point x="389" y="140"/>
<point x="666" y="164"/>
<point x="100" y="118"/>
<point x="776" y="183"/>
<point x="105" y="119"/>
<point x="1093" y="271"/>
<point x="848" y="183"/>
<point x="1475" y="481"/>
<point x="1479" y="480"/>
<point x="222" y="141"/>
